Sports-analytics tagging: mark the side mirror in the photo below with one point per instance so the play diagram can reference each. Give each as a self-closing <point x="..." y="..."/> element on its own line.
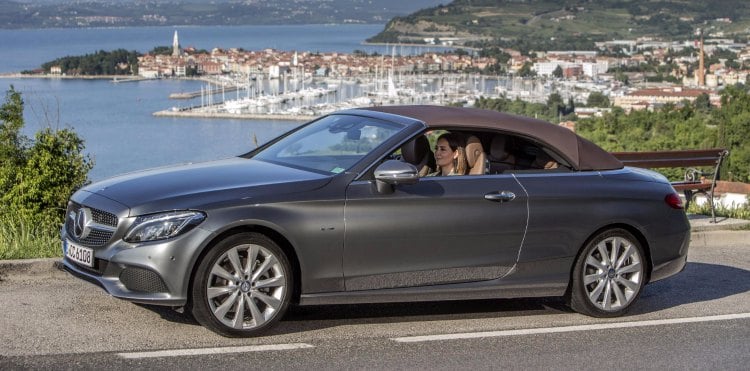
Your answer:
<point x="393" y="172"/>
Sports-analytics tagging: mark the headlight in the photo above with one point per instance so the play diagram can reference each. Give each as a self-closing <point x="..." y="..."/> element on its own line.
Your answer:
<point x="165" y="225"/>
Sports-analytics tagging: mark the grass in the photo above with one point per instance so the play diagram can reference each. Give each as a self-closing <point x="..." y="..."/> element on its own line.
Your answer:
<point x="21" y="238"/>
<point x="733" y="213"/>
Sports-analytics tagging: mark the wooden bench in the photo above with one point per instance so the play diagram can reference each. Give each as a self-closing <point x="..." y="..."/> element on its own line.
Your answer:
<point x="695" y="180"/>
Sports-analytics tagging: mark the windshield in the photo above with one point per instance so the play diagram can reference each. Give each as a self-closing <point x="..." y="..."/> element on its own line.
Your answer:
<point x="330" y="145"/>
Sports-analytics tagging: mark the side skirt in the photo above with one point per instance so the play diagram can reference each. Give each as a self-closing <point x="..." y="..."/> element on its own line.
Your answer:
<point x="517" y="284"/>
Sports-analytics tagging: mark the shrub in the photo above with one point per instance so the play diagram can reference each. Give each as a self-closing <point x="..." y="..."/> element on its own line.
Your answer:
<point x="36" y="179"/>
<point x="742" y="212"/>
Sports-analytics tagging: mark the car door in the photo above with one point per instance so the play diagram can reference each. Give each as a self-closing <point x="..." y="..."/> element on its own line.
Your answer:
<point x="437" y="231"/>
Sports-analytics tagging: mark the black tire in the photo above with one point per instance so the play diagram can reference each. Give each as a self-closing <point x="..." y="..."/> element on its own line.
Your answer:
<point x="256" y="296"/>
<point x="604" y="285"/>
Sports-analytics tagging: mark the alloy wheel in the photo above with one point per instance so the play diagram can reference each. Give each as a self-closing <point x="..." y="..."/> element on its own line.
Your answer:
<point x="613" y="273"/>
<point x="246" y="287"/>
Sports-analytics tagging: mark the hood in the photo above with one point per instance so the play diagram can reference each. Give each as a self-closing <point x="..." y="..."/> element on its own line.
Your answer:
<point x="197" y="186"/>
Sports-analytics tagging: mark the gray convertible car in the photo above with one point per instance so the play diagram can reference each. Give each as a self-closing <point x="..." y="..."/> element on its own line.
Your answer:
<point x="339" y="210"/>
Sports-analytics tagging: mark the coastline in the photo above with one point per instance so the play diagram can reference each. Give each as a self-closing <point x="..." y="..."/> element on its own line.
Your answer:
<point x="114" y="78"/>
<point x="447" y="47"/>
<point x="16" y="75"/>
<point x="240" y="116"/>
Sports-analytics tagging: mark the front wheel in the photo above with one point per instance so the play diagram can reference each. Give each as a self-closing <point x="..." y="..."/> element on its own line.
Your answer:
<point x="608" y="275"/>
<point x="242" y="286"/>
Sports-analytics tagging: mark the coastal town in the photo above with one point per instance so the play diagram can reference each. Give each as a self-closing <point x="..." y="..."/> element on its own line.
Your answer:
<point x="299" y="84"/>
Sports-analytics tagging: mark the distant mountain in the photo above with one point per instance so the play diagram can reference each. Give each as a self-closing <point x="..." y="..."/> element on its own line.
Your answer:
<point x="117" y="13"/>
<point x="566" y="24"/>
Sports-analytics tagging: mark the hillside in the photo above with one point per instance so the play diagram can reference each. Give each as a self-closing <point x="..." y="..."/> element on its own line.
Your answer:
<point x="561" y="24"/>
<point x="129" y="13"/>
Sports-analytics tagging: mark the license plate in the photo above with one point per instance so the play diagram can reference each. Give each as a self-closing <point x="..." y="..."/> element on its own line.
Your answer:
<point x="80" y="254"/>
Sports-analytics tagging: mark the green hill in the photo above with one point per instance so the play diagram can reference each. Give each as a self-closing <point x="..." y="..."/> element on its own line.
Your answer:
<point x="560" y="24"/>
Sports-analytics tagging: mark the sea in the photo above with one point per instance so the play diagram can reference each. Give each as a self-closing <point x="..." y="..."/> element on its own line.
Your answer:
<point x="115" y="119"/>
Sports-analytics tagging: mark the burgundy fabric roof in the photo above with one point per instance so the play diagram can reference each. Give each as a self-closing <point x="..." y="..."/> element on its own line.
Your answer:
<point x="583" y="154"/>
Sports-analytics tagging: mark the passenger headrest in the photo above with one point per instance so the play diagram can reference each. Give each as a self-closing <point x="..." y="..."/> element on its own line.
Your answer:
<point x="475" y="157"/>
<point x="499" y="148"/>
<point x="474" y="150"/>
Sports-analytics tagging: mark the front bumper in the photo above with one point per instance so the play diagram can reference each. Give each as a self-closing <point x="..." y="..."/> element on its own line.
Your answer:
<point x="155" y="273"/>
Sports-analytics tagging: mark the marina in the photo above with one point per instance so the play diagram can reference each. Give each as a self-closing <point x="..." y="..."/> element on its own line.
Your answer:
<point x="295" y="99"/>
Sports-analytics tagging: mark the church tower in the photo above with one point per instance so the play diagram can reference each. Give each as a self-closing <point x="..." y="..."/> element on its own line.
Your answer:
<point x="701" y="67"/>
<point x="175" y="45"/>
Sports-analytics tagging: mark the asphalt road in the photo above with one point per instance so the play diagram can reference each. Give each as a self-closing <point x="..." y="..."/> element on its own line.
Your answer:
<point x="699" y="319"/>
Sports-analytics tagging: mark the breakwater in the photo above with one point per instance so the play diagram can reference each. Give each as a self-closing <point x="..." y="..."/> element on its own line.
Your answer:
<point x="196" y="94"/>
<point x="226" y="115"/>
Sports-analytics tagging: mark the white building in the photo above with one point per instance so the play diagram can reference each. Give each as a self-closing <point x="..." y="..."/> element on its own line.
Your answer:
<point x="590" y="69"/>
<point x="594" y="69"/>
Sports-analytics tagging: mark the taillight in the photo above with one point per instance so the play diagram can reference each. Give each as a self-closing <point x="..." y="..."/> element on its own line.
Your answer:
<point x="674" y="201"/>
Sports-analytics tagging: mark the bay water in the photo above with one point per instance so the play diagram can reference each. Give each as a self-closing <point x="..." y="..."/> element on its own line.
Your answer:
<point x="116" y="121"/>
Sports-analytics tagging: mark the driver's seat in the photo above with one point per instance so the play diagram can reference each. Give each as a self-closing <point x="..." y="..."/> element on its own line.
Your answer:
<point x="417" y="152"/>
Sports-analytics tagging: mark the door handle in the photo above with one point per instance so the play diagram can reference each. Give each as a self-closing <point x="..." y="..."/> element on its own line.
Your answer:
<point x="500" y="196"/>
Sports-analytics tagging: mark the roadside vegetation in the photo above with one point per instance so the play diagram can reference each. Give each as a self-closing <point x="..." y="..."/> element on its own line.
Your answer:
<point x="691" y="126"/>
<point x="721" y="211"/>
<point x="37" y="176"/>
<point x="694" y="125"/>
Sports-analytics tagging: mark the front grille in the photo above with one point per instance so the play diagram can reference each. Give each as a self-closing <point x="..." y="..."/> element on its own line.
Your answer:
<point x="142" y="280"/>
<point x="98" y="236"/>
<point x="103" y="217"/>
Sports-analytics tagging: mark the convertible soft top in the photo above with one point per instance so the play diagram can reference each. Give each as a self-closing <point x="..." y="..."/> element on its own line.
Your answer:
<point x="583" y="154"/>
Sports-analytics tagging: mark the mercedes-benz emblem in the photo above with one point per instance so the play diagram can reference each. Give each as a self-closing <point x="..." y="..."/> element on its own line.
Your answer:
<point x="81" y="221"/>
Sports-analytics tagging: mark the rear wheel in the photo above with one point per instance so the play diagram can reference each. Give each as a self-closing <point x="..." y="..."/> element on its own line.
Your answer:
<point x="608" y="275"/>
<point x="242" y="286"/>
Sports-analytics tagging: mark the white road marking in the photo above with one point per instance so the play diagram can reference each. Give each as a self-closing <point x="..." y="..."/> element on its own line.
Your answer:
<point x="205" y="351"/>
<point x="552" y="330"/>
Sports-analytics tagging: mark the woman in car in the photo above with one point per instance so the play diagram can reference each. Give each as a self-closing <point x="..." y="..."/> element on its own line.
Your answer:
<point x="450" y="156"/>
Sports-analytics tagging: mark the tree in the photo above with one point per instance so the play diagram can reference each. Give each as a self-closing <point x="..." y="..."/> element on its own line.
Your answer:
<point x="734" y="129"/>
<point x="702" y="103"/>
<point x="38" y="177"/>
<point x="517" y="106"/>
<point x="191" y="71"/>
<point x="55" y="167"/>
<point x="677" y="128"/>
<point x="555" y="105"/>
<point x="558" y="72"/>
<point x="460" y="52"/>
<point x="526" y="70"/>
<point x="495" y="52"/>
<point x="11" y="139"/>
<point x="161" y="50"/>
<point x="570" y="107"/>
<point x="597" y="99"/>
<point x="495" y="68"/>
<point x="99" y="63"/>
<point x="622" y="77"/>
